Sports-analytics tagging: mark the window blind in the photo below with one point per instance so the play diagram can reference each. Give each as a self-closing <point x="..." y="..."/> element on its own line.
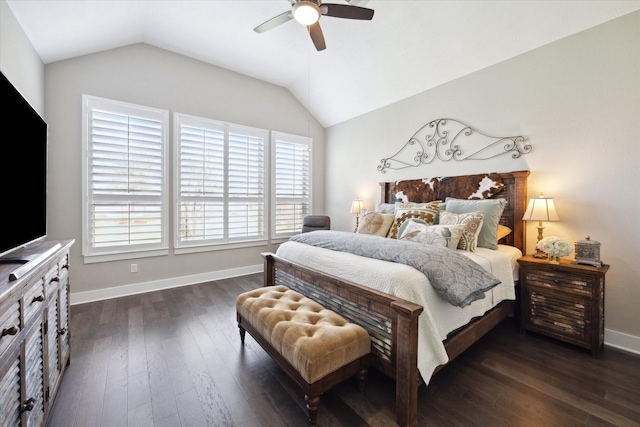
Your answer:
<point x="221" y="187"/>
<point x="125" y="177"/>
<point x="292" y="183"/>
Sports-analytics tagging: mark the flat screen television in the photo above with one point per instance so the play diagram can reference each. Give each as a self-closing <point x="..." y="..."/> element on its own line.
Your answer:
<point x="23" y="171"/>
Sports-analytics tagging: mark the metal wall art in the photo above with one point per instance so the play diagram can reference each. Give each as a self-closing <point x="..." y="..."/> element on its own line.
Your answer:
<point x="448" y="139"/>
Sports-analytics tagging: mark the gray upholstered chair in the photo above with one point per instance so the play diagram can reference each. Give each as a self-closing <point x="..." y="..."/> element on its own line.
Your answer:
<point x="315" y="222"/>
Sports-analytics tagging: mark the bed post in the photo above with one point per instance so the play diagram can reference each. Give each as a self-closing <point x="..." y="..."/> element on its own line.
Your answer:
<point x="269" y="270"/>
<point x="406" y="330"/>
<point x="520" y="229"/>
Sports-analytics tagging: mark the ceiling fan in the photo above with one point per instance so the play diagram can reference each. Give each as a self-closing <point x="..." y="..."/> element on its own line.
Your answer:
<point x="308" y="12"/>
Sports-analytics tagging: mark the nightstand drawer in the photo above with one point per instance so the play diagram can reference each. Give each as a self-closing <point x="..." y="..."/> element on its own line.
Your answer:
<point x="560" y="281"/>
<point x="559" y="316"/>
<point x="564" y="301"/>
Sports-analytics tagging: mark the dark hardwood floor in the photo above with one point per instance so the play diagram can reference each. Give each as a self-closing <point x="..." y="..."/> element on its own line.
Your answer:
<point x="174" y="358"/>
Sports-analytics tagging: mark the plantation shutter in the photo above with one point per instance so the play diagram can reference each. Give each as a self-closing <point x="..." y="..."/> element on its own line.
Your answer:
<point x="246" y="185"/>
<point x="221" y="186"/>
<point x="292" y="182"/>
<point x="126" y="177"/>
<point x="201" y="183"/>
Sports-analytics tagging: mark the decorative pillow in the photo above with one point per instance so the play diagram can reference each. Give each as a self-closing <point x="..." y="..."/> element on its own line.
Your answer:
<point x="503" y="231"/>
<point x="376" y="223"/>
<point x="492" y="208"/>
<point x="472" y="222"/>
<point x="434" y="239"/>
<point x="425" y="213"/>
<point x="386" y="207"/>
<point x="450" y="234"/>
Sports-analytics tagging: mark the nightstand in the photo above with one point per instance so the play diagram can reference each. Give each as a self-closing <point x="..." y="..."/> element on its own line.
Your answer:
<point x="564" y="301"/>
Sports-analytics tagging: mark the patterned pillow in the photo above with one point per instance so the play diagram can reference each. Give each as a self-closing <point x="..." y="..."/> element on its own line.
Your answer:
<point x="473" y="224"/>
<point x="425" y="213"/>
<point x="375" y="223"/>
<point x="449" y="235"/>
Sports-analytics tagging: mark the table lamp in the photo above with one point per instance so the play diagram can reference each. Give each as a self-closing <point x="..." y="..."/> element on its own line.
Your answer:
<point x="540" y="209"/>
<point x="356" y="207"/>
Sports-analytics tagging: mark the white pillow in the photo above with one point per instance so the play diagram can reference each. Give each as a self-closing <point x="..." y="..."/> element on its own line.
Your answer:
<point x="440" y="235"/>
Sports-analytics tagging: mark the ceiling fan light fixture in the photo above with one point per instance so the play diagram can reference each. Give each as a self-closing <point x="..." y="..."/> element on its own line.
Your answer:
<point x="306" y="12"/>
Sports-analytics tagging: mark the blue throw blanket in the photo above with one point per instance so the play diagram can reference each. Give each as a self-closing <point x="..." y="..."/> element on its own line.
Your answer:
<point x="454" y="276"/>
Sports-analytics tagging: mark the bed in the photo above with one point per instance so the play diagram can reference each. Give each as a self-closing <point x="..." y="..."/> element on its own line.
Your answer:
<point x="407" y="344"/>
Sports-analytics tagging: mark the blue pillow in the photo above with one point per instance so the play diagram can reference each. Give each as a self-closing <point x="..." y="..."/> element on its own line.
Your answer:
<point x="386" y="207"/>
<point x="492" y="208"/>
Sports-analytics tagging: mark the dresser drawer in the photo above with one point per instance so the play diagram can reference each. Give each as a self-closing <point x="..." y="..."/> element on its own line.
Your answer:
<point x="51" y="279"/>
<point x="9" y="324"/>
<point x="561" y="282"/>
<point x="33" y="299"/>
<point x="63" y="266"/>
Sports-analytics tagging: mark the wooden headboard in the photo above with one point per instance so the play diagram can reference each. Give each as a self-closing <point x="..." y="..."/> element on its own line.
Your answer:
<point x="514" y="191"/>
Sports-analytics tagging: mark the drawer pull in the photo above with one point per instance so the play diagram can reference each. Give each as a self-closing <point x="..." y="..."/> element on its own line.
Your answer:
<point x="55" y="279"/>
<point x="66" y="266"/>
<point x="39" y="298"/>
<point x="9" y="331"/>
<point x="28" y="404"/>
<point x="62" y="331"/>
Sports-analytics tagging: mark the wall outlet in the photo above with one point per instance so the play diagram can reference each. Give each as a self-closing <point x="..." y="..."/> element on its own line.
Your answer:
<point x="134" y="268"/>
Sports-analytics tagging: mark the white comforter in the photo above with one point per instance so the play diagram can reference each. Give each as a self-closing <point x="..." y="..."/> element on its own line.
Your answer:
<point x="439" y="317"/>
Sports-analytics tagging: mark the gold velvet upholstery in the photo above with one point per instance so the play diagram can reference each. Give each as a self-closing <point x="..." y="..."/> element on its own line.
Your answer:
<point x="314" y="340"/>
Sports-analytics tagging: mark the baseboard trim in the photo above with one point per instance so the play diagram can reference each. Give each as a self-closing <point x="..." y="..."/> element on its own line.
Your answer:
<point x="175" y="282"/>
<point x="622" y="341"/>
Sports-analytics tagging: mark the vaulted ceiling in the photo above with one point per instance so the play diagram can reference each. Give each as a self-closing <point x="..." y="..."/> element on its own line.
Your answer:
<point x="408" y="47"/>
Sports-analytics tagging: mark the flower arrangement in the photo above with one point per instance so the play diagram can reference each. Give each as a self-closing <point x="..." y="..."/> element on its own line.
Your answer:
<point x="554" y="247"/>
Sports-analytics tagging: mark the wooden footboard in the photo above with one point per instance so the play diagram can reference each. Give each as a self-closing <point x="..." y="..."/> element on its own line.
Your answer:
<point x="391" y="322"/>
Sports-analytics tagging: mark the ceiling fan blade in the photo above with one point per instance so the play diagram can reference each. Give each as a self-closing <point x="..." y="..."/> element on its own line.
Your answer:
<point x="316" y="36"/>
<point x="346" y="11"/>
<point x="274" y="22"/>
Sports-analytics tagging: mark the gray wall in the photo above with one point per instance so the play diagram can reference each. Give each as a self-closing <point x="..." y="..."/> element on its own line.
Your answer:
<point x="19" y="61"/>
<point x="577" y="101"/>
<point x="146" y="75"/>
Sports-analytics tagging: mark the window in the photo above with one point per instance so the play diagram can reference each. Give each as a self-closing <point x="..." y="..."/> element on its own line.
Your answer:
<point x="291" y="183"/>
<point x="220" y="182"/>
<point x="125" y="180"/>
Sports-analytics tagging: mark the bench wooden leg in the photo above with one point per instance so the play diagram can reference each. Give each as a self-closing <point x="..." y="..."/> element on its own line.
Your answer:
<point x="362" y="377"/>
<point x="242" y="333"/>
<point x="312" y="405"/>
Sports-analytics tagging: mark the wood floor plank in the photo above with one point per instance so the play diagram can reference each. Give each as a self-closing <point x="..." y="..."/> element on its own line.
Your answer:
<point x="174" y="358"/>
<point x="91" y="400"/>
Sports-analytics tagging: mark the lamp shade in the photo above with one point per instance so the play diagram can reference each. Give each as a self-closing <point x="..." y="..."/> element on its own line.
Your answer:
<point x="541" y="209"/>
<point x="357" y="206"/>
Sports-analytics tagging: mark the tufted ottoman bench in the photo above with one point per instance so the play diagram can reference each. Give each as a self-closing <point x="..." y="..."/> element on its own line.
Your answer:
<point x="316" y="347"/>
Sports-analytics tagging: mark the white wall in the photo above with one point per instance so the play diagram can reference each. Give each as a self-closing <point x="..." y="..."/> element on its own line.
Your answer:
<point x="578" y="103"/>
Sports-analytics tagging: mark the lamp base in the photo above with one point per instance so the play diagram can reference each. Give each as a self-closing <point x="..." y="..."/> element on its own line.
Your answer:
<point x="539" y="254"/>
